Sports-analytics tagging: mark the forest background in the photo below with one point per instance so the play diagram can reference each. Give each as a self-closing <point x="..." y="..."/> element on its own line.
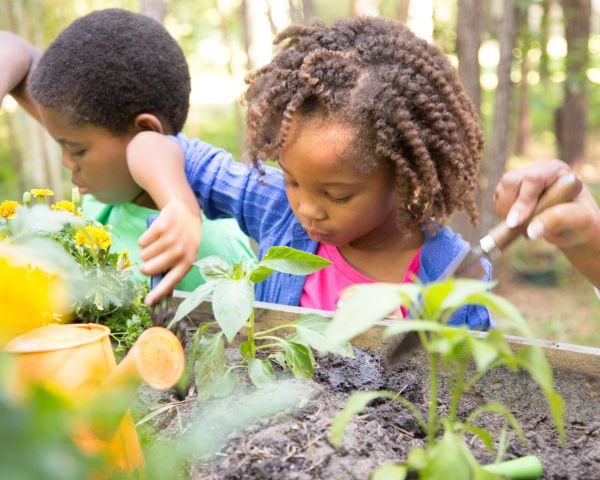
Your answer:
<point x="532" y="67"/>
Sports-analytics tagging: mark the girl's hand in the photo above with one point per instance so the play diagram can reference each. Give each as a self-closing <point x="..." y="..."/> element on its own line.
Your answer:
<point x="170" y="244"/>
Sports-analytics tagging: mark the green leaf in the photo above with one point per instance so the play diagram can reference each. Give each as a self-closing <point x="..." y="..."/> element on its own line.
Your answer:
<point x="260" y="372"/>
<point x="310" y="329"/>
<point x="356" y="403"/>
<point x="259" y="274"/>
<point x="245" y="348"/>
<point x="363" y="305"/>
<point x="190" y="303"/>
<point x="433" y="296"/>
<point x="482" y="433"/>
<point x="210" y="367"/>
<point x="213" y="267"/>
<point x="389" y="471"/>
<point x="484" y="352"/>
<point x="290" y="260"/>
<point x="507" y="310"/>
<point x="404" y="326"/>
<point x="499" y="409"/>
<point x="449" y="455"/>
<point x="233" y="301"/>
<point x="416" y="459"/>
<point x="533" y="360"/>
<point x="299" y="358"/>
<point x="461" y="291"/>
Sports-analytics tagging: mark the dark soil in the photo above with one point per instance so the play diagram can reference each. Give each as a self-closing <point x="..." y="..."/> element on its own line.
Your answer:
<point x="295" y="445"/>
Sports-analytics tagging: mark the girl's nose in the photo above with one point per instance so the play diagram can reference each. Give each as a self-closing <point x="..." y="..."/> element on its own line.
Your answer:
<point x="310" y="211"/>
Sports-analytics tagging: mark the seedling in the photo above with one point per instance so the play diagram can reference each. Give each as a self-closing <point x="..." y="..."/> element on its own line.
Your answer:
<point x="449" y="350"/>
<point x="232" y="290"/>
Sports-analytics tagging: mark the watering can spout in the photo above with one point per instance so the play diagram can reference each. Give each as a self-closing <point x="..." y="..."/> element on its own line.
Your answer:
<point x="156" y="359"/>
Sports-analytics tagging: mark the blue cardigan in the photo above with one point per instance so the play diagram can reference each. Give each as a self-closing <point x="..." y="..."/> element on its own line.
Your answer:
<point x="226" y="188"/>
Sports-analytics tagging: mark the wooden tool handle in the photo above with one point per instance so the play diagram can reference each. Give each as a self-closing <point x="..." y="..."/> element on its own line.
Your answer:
<point x="563" y="190"/>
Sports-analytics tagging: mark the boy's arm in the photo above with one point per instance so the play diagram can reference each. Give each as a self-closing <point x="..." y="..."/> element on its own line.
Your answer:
<point x="171" y="243"/>
<point x="17" y="59"/>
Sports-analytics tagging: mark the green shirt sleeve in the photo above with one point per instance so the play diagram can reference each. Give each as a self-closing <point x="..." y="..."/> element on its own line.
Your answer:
<point x="128" y="221"/>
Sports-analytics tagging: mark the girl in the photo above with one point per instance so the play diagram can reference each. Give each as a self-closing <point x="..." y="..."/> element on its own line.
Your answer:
<point x="377" y="143"/>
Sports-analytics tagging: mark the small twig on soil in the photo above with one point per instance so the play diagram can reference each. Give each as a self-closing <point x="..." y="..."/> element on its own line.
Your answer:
<point x="161" y="409"/>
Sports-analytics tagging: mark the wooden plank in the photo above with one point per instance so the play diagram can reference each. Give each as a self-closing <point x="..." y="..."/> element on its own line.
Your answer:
<point x="562" y="356"/>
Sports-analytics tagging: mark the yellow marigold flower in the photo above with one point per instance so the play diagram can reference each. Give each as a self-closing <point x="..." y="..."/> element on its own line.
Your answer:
<point x="123" y="261"/>
<point x="64" y="205"/>
<point x="29" y="298"/>
<point x="93" y="237"/>
<point x="8" y="209"/>
<point x="41" y="192"/>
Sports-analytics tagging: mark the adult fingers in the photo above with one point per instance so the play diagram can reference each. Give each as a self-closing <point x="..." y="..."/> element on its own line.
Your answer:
<point x="565" y="225"/>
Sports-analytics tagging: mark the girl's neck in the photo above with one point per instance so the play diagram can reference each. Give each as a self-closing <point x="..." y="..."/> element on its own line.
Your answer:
<point x="384" y="256"/>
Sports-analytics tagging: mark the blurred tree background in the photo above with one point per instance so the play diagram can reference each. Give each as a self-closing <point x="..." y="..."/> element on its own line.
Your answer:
<point x="531" y="66"/>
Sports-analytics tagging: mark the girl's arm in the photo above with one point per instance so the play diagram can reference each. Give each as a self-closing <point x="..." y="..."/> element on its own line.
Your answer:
<point x="157" y="165"/>
<point x="574" y="227"/>
<point x="17" y="59"/>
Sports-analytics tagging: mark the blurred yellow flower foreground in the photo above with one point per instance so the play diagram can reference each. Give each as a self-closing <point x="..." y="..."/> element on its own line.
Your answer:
<point x="29" y="297"/>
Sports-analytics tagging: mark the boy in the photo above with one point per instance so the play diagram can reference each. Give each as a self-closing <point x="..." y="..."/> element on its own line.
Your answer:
<point x="108" y="76"/>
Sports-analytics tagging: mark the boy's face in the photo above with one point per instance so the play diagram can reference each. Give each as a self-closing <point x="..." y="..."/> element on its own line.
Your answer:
<point x="96" y="158"/>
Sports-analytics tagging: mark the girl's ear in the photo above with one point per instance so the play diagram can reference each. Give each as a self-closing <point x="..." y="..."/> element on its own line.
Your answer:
<point x="148" y="122"/>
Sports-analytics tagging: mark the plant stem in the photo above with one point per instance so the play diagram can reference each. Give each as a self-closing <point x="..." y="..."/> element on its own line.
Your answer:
<point x="274" y="329"/>
<point x="433" y="394"/>
<point x="252" y="348"/>
<point x="457" y="390"/>
<point x="267" y="345"/>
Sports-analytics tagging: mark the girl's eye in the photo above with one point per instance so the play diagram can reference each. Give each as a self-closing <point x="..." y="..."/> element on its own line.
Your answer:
<point x="338" y="200"/>
<point x="291" y="183"/>
<point x="78" y="153"/>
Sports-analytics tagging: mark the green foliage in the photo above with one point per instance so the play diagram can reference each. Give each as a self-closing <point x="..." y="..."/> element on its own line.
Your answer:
<point x="450" y="349"/>
<point x="232" y="289"/>
<point x="105" y="290"/>
<point x="36" y="434"/>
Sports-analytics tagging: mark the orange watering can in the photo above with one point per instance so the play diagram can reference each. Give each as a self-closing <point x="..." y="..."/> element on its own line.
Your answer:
<point x="78" y="360"/>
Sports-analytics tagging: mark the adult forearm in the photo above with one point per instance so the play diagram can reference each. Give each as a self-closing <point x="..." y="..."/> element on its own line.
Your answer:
<point x="586" y="259"/>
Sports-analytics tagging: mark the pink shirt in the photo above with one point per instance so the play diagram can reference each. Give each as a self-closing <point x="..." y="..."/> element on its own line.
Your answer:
<point x="323" y="288"/>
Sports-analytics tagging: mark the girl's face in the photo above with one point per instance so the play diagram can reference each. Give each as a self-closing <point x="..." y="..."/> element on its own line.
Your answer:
<point x="335" y="203"/>
<point x="96" y="158"/>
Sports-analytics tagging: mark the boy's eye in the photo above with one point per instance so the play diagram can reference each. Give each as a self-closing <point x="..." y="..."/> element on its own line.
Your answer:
<point x="78" y="153"/>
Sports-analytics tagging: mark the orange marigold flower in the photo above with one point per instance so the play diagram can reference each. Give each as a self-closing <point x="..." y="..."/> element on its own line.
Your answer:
<point x="8" y="209"/>
<point x="93" y="237"/>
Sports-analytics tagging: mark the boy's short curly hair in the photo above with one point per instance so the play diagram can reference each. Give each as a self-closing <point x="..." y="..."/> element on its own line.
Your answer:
<point x="110" y="66"/>
<point x="400" y="94"/>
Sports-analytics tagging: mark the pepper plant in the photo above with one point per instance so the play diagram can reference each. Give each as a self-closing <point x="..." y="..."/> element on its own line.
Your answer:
<point x="232" y="290"/>
<point x="450" y="350"/>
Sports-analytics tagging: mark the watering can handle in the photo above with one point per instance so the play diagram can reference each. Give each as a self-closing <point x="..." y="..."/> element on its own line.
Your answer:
<point x="154" y="279"/>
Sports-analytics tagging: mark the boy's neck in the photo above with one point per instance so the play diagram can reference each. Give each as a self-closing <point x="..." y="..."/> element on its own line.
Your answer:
<point x="144" y="200"/>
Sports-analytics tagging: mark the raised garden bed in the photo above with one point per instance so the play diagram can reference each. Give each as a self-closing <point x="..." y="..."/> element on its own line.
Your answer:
<point x="295" y="445"/>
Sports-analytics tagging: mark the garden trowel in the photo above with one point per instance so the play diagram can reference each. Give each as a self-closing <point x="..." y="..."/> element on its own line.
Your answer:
<point x="563" y="190"/>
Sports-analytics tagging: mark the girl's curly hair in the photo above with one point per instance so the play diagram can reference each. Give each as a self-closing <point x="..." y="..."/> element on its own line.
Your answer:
<point x="398" y="92"/>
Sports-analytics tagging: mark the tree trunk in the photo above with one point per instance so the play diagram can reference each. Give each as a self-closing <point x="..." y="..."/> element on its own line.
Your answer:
<point x="468" y="41"/>
<point x="294" y="13"/>
<point x="402" y="7"/>
<point x="155" y="9"/>
<point x="497" y="152"/>
<point x="544" y="36"/>
<point x="570" y="118"/>
<point x="308" y="10"/>
<point x="523" y="127"/>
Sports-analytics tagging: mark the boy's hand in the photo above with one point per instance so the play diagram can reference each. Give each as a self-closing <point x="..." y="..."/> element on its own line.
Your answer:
<point x="171" y="243"/>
